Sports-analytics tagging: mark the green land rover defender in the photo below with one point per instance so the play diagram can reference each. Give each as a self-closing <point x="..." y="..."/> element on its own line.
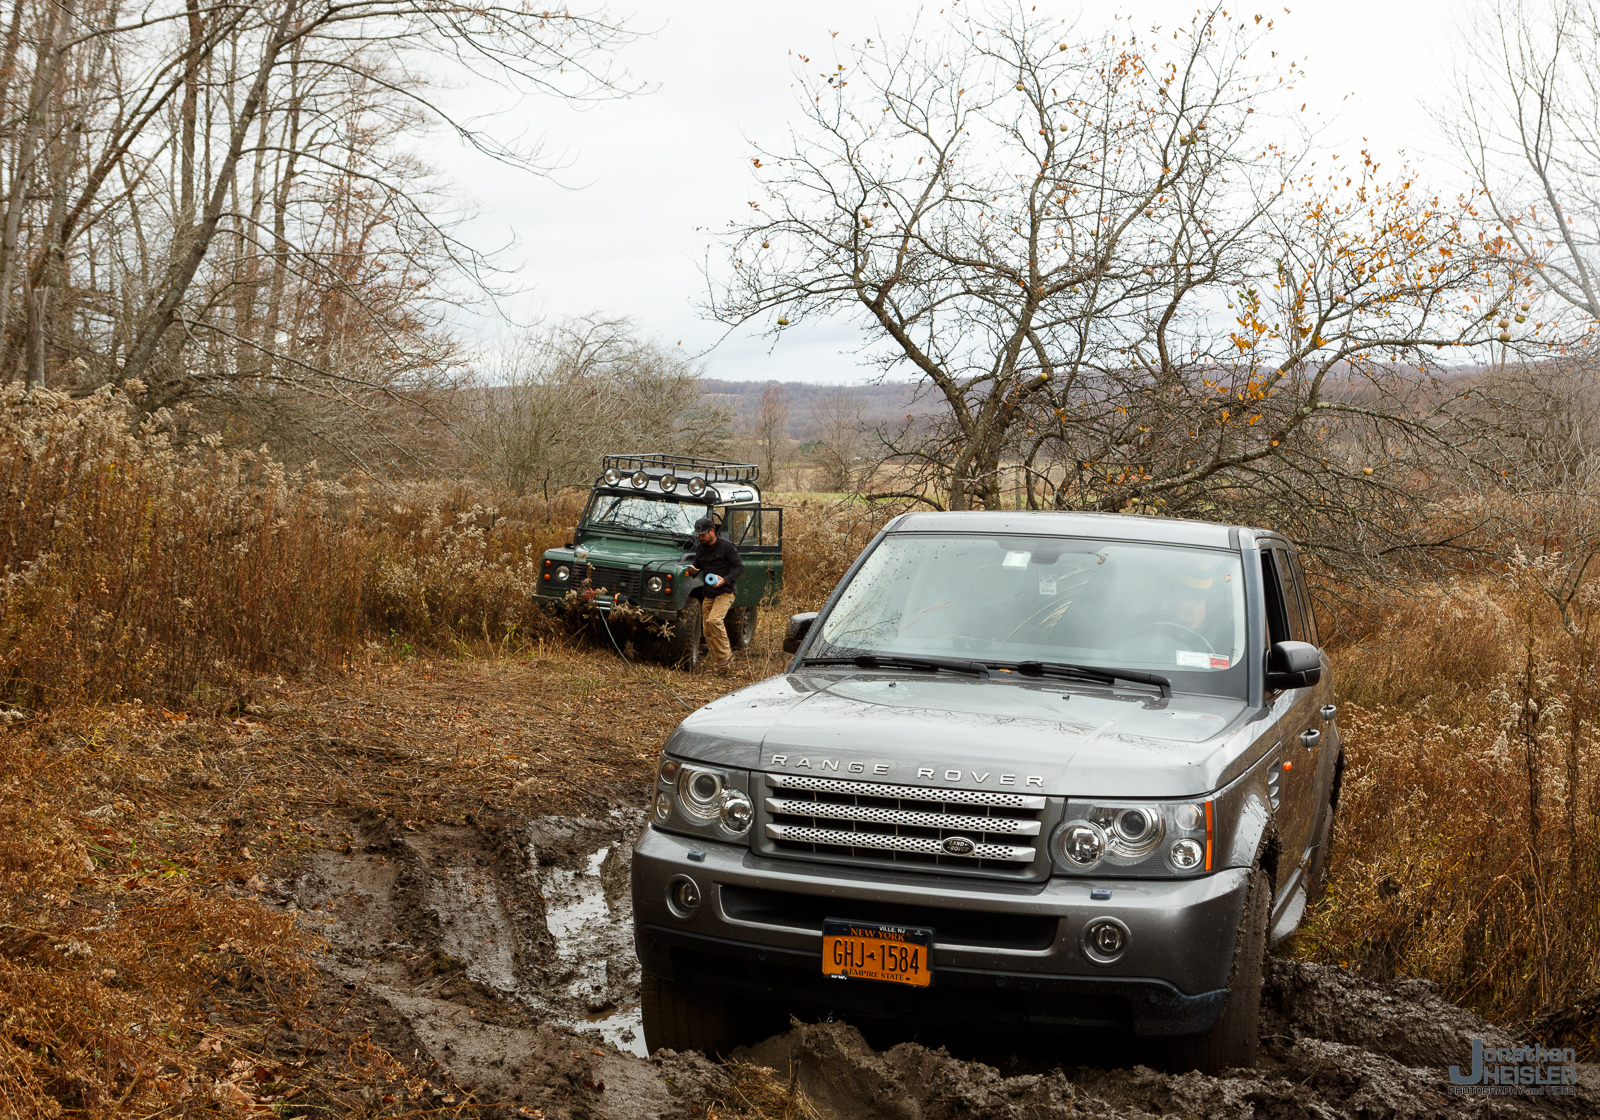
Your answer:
<point x="628" y="555"/>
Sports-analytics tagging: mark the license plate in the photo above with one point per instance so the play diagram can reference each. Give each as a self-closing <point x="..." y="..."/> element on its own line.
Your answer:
<point x="869" y="951"/>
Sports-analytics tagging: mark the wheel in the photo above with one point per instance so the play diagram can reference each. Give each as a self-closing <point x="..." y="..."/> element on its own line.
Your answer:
<point x="1236" y="1037"/>
<point x="682" y="647"/>
<point x="741" y="627"/>
<point x="679" y="1017"/>
<point x="1176" y="629"/>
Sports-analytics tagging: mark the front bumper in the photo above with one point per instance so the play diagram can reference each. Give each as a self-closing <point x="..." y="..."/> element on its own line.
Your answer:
<point x="603" y="602"/>
<point x="1006" y="955"/>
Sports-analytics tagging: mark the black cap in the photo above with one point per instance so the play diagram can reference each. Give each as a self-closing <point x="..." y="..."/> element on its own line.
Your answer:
<point x="704" y="525"/>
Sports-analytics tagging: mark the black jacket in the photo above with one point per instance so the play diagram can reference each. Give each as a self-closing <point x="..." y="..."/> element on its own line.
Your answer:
<point x="722" y="558"/>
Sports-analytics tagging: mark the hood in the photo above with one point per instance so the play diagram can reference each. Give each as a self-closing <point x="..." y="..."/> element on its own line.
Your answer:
<point x="1052" y="737"/>
<point x="613" y="552"/>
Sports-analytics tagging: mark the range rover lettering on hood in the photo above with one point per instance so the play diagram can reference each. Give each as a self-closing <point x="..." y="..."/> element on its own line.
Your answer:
<point x="881" y="769"/>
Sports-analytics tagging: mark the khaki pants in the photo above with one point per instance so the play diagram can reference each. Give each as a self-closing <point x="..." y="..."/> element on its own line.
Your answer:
<point x="712" y="613"/>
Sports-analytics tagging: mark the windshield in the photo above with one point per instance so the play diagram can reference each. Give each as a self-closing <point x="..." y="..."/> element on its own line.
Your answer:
<point x="646" y="515"/>
<point x="1157" y="608"/>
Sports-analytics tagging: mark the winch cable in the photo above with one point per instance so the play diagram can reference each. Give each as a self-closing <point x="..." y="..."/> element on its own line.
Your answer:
<point x="637" y="669"/>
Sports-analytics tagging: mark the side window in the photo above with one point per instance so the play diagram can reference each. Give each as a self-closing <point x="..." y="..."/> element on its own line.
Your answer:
<point x="1283" y="610"/>
<point x="1305" y="601"/>
<point x="1293" y="607"/>
<point x="743" y="525"/>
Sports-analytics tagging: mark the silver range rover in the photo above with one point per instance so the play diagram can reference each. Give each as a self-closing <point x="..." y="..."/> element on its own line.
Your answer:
<point x="1031" y="771"/>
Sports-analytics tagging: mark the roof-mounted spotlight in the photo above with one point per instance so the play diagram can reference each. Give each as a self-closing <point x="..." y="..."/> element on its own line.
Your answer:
<point x="640" y="480"/>
<point x="697" y="486"/>
<point x="612" y="476"/>
<point x="669" y="483"/>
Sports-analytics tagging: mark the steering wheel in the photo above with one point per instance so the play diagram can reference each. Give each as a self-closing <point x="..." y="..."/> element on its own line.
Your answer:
<point x="1176" y="629"/>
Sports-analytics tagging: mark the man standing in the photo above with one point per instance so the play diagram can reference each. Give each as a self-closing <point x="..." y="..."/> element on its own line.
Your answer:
<point x="719" y="560"/>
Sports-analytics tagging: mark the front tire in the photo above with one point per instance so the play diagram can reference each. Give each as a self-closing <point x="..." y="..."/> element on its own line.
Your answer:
<point x="741" y="627"/>
<point x="1235" y="1040"/>
<point x="682" y="648"/>
<point x="678" y="1017"/>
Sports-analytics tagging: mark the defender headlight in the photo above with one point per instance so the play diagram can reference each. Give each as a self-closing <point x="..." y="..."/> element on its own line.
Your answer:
<point x="654" y="585"/>
<point x="1136" y="838"/>
<point x="702" y="801"/>
<point x="563" y="573"/>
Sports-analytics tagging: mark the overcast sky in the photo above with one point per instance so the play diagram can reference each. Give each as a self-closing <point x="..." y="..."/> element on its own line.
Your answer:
<point x="617" y="234"/>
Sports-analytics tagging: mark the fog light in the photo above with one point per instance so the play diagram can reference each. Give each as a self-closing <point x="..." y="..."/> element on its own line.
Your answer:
<point x="669" y="483"/>
<point x="663" y="805"/>
<point x="612" y="476"/>
<point x="737" y="811"/>
<point x="1187" y="854"/>
<point x="1105" y="940"/>
<point x="683" y="896"/>
<point x="697" y="486"/>
<point x="640" y="480"/>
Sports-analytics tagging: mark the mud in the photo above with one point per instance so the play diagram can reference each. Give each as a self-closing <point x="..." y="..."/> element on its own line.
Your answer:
<point x="500" y="954"/>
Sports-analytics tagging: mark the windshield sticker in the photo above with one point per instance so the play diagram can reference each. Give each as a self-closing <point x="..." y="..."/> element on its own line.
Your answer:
<point x="1191" y="659"/>
<point x="1016" y="560"/>
<point x="1047" y="585"/>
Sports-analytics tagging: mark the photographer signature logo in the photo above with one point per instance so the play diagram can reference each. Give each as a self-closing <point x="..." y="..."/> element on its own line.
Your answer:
<point x="1516" y="1070"/>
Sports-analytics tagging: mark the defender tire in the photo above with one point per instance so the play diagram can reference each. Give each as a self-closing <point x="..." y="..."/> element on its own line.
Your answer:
<point x="1235" y="1040"/>
<point x="741" y="627"/>
<point x="678" y="1017"/>
<point x="682" y="649"/>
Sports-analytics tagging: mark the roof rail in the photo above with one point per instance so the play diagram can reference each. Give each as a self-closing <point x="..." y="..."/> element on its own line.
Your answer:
<point x="654" y="464"/>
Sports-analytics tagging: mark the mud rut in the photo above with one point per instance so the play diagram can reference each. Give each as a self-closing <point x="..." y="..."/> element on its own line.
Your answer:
<point x="502" y="952"/>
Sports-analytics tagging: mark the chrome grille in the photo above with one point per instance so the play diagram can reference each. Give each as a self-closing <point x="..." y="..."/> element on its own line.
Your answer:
<point x="873" y="821"/>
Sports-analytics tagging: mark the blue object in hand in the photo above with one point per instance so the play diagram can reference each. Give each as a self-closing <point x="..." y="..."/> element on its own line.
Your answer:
<point x="713" y="580"/>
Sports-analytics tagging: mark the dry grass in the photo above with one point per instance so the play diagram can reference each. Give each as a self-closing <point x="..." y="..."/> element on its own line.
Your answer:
<point x="752" y="1092"/>
<point x="1468" y="850"/>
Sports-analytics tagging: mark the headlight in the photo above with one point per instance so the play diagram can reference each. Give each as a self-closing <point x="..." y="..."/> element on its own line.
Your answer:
<point x="640" y="480"/>
<point x="669" y="483"/>
<point x="702" y="801"/>
<point x="654" y="585"/>
<point x="1144" y="838"/>
<point x="563" y="573"/>
<point x="697" y="486"/>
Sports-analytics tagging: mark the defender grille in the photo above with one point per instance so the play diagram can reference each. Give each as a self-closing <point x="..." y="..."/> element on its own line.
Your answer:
<point x="874" y="822"/>
<point x="607" y="579"/>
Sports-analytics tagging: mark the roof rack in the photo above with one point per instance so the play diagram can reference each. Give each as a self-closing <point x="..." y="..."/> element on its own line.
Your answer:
<point x="653" y="463"/>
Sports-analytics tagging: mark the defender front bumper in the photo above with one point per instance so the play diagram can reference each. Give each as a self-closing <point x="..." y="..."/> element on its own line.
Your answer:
<point x="1006" y="955"/>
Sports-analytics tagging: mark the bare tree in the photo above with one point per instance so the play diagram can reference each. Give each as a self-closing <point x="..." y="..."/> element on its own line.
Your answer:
<point x="838" y="436"/>
<point x="1526" y="118"/>
<point x="771" y="431"/>
<point x="554" y="401"/>
<point x="218" y="202"/>
<point x="1115" y="276"/>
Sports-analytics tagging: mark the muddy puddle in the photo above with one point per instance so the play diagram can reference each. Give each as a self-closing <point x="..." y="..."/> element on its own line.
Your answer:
<point x="503" y="953"/>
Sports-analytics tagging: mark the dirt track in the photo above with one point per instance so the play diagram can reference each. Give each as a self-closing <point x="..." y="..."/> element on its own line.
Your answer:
<point x="503" y="954"/>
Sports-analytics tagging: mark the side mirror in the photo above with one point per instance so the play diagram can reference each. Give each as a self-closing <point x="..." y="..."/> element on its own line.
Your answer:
<point x="1293" y="665"/>
<point x="795" y="633"/>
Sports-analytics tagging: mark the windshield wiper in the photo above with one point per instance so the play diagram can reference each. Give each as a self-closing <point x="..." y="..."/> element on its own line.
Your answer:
<point x="1093" y="673"/>
<point x="895" y="661"/>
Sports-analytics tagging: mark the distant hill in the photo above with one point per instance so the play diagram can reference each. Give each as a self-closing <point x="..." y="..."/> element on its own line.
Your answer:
<point x="879" y="403"/>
